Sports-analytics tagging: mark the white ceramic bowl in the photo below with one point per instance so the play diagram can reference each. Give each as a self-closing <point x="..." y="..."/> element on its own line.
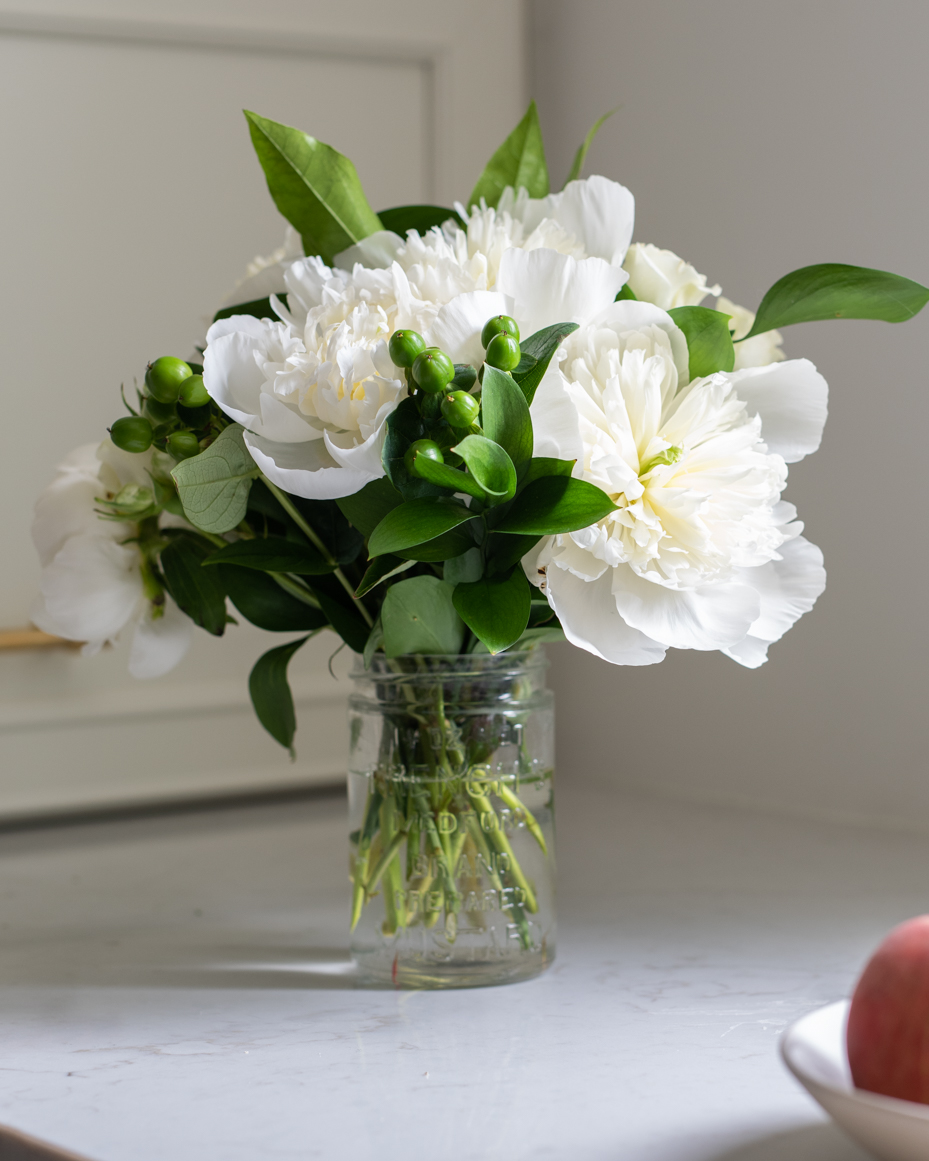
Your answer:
<point x="814" y="1051"/>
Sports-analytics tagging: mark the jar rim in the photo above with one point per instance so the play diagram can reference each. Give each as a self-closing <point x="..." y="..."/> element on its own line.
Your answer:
<point x="422" y="666"/>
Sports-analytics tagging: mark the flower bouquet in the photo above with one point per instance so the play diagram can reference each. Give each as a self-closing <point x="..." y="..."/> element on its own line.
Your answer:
<point x="450" y="435"/>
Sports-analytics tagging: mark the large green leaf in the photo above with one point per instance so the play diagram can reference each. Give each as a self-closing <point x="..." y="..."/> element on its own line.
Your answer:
<point x="495" y="609"/>
<point x="314" y="187"/>
<point x="520" y="161"/>
<point x="540" y="466"/>
<point x="444" y="547"/>
<point x="505" y="415"/>
<point x="367" y="508"/>
<point x="273" y="554"/>
<point x="709" y="341"/>
<point x="418" y="616"/>
<point x="537" y="353"/>
<point x="578" y="164"/>
<point x="270" y="692"/>
<point x="381" y="569"/>
<point x="832" y="290"/>
<point x="214" y="485"/>
<point x="197" y="591"/>
<point x="261" y="600"/>
<point x="467" y="567"/>
<point x="489" y="464"/>
<point x="400" y="219"/>
<point x="505" y="551"/>
<point x="256" y="307"/>
<point x="555" y="504"/>
<point x="414" y="522"/>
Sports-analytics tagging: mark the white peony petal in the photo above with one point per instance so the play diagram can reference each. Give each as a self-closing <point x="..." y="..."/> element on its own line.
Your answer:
<point x="90" y="590"/>
<point x="66" y="509"/>
<point x="458" y="325"/>
<point x="788" y="588"/>
<point x="555" y="428"/>
<point x="377" y="252"/>
<point x="231" y="375"/>
<point x="159" y="644"/>
<point x="751" y="652"/>
<point x="628" y="316"/>
<point x="362" y="457"/>
<point x="791" y="398"/>
<point x="306" y="469"/>
<point x="129" y="467"/>
<point x="600" y="213"/>
<point x="282" y="424"/>
<point x="544" y="287"/>
<point x="711" y="616"/>
<point x="588" y="615"/>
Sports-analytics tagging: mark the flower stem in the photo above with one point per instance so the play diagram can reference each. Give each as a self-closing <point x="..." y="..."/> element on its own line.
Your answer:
<point x="294" y="512"/>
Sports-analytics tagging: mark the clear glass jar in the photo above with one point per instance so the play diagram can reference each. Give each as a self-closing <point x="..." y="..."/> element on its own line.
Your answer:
<point x="451" y="818"/>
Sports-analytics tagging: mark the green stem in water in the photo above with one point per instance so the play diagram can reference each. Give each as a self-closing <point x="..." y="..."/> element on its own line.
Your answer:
<point x="522" y="811"/>
<point x="291" y="509"/>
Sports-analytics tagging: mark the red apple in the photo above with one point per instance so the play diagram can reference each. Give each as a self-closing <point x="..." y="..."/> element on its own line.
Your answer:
<point x="888" y="1024"/>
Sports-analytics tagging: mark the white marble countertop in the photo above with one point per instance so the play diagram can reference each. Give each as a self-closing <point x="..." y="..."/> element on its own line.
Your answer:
<point x="178" y="988"/>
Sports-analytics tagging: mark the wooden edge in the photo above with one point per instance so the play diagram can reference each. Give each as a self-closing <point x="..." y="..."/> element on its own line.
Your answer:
<point x="31" y="638"/>
<point x="17" y="1146"/>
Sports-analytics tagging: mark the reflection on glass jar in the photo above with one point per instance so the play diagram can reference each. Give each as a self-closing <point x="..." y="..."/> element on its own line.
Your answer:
<point x="451" y="819"/>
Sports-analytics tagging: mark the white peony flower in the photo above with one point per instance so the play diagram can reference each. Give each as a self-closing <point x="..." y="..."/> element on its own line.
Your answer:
<point x="91" y="587"/>
<point x="701" y="553"/>
<point x="660" y="277"/>
<point x="755" y="352"/>
<point x="587" y="219"/>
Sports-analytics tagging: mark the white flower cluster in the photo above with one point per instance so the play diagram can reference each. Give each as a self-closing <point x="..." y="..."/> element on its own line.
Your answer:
<point x="91" y="588"/>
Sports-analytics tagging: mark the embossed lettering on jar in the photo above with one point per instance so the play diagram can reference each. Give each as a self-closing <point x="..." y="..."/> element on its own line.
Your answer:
<point x="451" y="819"/>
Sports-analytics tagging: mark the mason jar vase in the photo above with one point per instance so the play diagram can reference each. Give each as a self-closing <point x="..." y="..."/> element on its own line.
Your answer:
<point x="451" y="817"/>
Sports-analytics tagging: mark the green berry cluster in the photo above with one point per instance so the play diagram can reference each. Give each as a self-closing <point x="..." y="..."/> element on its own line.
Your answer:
<point x="447" y="397"/>
<point x="175" y="412"/>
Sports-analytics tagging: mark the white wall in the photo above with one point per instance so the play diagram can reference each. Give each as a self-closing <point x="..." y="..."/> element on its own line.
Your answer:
<point x="757" y="138"/>
<point x="131" y="202"/>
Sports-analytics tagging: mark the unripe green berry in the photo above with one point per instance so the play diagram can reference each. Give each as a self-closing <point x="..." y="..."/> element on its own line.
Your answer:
<point x="183" y="444"/>
<point x="428" y="449"/>
<point x="460" y="409"/>
<point x="404" y="346"/>
<point x="502" y="352"/>
<point x="159" y="412"/>
<point x="500" y="324"/>
<point x="192" y="392"/>
<point x="164" y="377"/>
<point x="132" y="433"/>
<point x="433" y="370"/>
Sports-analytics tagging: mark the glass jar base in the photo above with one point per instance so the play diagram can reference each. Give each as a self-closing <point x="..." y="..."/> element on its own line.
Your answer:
<point x="376" y="970"/>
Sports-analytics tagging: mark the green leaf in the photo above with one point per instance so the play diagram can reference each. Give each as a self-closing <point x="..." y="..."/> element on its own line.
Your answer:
<point x="450" y="478"/>
<point x="464" y="568"/>
<point x="367" y="508"/>
<point x="344" y="618"/>
<point x="555" y="504"/>
<point x="578" y="164"/>
<point x="405" y="426"/>
<point x="270" y="692"/>
<point x="257" y="308"/>
<point x="540" y="347"/>
<point x="261" y="600"/>
<point x="196" y="591"/>
<point x="540" y="466"/>
<point x="314" y="187"/>
<point x="400" y="219"/>
<point x="381" y="569"/>
<point x="465" y="377"/>
<point x="444" y="547"/>
<point x="214" y="485"/>
<point x="489" y="464"/>
<point x="495" y="609"/>
<point x="505" y="415"/>
<point x="273" y="554"/>
<point x="419" y="617"/>
<point x="626" y="293"/>
<point x="343" y="541"/>
<point x="709" y="340"/>
<point x="836" y="291"/>
<point x="505" y="551"/>
<point x="414" y="522"/>
<point x="520" y="161"/>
